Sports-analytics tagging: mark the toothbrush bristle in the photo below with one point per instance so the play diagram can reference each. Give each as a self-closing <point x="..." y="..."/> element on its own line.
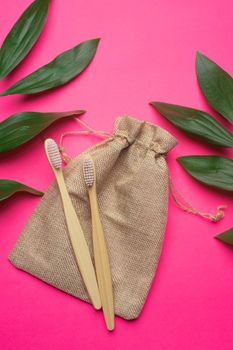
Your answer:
<point x="54" y="154"/>
<point x="88" y="171"/>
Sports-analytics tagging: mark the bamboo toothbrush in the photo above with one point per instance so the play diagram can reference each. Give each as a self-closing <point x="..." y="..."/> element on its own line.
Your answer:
<point x="76" y="235"/>
<point x="102" y="265"/>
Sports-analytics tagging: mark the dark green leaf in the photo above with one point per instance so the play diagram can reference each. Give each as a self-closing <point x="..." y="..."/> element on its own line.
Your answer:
<point x="196" y="123"/>
<point x="226" y="237"/>
<point x="23" y="36"/>
<point x="22" y="127"/>
<point x="211" y="170"/>
<point x="9" y="187"/>
<point x="216" y="85"/>
<point x="58" y="72"/>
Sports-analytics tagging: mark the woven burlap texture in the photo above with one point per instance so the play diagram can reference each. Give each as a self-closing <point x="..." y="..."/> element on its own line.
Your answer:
<point x="132" y="186"/>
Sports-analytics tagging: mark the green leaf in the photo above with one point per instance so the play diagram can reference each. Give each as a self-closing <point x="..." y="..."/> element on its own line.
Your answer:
<point x="23" y="36"/>
<point x="22" y="127"/>
<point x="213" y="171"/>
<point x="216" y="85"/>
<point x="226" y="237"/>
<point x="9" y="187"/>
<point x="58" y="72"/>
<point x="195" y="123"/>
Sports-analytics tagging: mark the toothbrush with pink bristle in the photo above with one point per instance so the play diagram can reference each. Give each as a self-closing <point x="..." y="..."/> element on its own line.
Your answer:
<point x="76" y="235"/>
<point x="102" y="264"/>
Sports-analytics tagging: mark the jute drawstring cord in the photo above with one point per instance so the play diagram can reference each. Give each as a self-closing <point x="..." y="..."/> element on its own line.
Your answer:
<point x="184" y="205"/>
<point x="87" y="131"/>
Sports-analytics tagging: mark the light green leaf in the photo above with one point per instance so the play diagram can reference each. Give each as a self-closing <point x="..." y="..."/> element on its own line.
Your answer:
<point x="23" y="36"/>
<point x="213" y="171"/>
<point x="22" y="127"/>
<point x="216" y="85"/>
<point x="58" y="72"/>
<point x="195" y="123"/>
<point x="8" y="188"/>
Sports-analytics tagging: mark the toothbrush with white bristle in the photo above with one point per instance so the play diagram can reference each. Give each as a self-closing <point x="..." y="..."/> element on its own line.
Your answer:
<point x="102" y="264"/>
<point x="76" y="235"/>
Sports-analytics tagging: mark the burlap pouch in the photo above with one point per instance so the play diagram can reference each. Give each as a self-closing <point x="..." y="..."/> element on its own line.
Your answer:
<point x="132" y="185"/>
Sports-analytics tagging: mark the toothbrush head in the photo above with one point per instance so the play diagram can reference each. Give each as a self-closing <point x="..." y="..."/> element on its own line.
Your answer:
<point x="88" y="172"/>
<point x="53" y="153"/>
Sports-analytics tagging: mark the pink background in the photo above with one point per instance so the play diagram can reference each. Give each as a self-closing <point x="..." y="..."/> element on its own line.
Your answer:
<point x="147" y="52"/>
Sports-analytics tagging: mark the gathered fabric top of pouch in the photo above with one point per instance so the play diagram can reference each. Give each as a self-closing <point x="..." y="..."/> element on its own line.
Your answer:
<point x="145" y="134"/>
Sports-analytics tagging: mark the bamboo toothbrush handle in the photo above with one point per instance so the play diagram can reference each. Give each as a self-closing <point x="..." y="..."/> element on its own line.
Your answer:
<point x="79" y="244"/>
<point x="102" y="264"/>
